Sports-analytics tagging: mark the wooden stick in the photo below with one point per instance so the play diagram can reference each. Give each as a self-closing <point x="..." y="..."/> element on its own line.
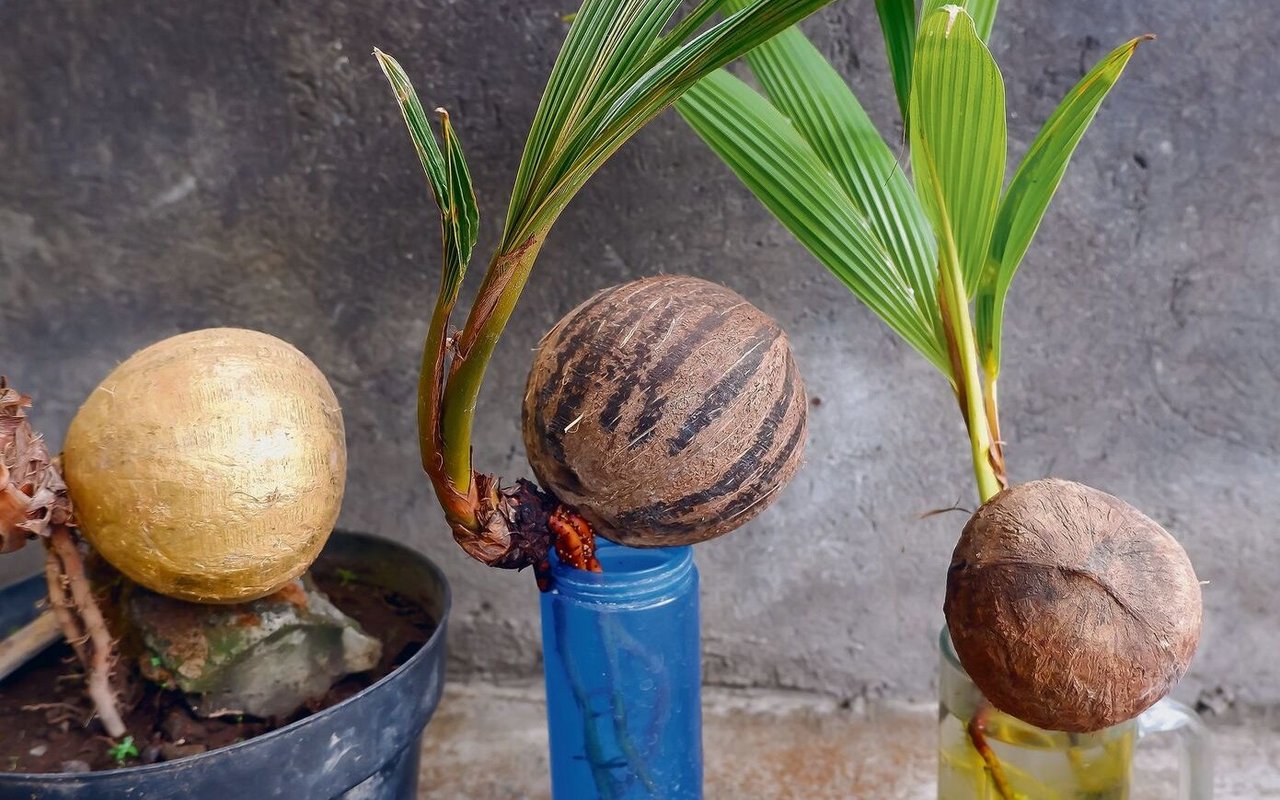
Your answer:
<point x="27" y="642"/>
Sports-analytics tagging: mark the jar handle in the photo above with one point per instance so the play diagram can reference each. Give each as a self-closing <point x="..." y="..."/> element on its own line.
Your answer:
<point x="1196" y="763"/>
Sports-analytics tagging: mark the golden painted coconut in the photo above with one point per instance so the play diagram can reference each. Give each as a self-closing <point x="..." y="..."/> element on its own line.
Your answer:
<point x="209" y="466"/>
<point x="667" y="411"/>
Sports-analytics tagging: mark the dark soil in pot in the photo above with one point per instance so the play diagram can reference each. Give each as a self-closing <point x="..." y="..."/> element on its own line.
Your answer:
<point x="43" y="706"/>
<point x="361" y="740"/>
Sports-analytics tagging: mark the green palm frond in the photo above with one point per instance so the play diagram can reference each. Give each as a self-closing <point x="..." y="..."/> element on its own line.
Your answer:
<point x="828" y="115"/>
<point x="898" y="23"/>
<point x="655" y="82"/>
<point x="447" y="175"/>
<point x="1033" y="186"/>
<point x="957" y="108"/>
<point x="786" y="173"/>
<point x="811" y="155"/>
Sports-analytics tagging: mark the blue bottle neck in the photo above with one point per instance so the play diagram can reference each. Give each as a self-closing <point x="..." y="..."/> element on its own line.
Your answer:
<point x="631" y="574"/>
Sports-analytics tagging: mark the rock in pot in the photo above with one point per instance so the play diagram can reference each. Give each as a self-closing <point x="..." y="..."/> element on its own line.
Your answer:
<point x="265" y="658"/>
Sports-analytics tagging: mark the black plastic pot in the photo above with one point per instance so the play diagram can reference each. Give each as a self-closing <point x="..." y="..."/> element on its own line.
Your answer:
<point x="365" y="748"/>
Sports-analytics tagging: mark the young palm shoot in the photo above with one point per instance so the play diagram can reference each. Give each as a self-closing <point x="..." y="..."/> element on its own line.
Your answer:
<point x="622" y="63"/>
<point x="594" y="419"/>
<point x="935" y="262"/>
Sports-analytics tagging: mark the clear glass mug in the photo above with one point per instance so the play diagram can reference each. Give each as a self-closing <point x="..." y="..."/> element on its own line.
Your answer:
<point x="1051" y="765"/>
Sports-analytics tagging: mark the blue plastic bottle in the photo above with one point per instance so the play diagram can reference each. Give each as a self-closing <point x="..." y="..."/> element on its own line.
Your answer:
<point x="623" y="670"/>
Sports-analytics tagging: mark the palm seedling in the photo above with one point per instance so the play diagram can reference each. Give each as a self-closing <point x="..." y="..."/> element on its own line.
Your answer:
<point x="622" y="63"/>
<point x="934" y="261"/>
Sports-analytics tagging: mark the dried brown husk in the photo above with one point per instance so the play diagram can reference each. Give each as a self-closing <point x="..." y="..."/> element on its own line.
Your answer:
<point x="1069" y="608"/>
<point x="667" y="411"/>
<point x="34" y="503"/>
<point x="33" y="496"/>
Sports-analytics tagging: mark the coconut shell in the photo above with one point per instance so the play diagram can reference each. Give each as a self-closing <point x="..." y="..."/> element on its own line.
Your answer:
<point x="1069" y="608"/>
<point x="210" y="466"/>
<point x="667" y="411"/>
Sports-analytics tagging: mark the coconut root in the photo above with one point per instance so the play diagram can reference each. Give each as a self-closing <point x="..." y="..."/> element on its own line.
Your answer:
<point x="83" y="624"/>
<point x="575" y="540"/>
<point x="977" y="729"/>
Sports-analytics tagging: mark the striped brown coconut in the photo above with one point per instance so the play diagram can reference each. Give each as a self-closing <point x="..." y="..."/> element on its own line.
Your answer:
<point x="667" y="411"/>
<point x="1069" y="608"/>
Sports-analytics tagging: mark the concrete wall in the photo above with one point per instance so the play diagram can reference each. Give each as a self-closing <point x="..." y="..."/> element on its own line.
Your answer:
<point x="170" y="166"/>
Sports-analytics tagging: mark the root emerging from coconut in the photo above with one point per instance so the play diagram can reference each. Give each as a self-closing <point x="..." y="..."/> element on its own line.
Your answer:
<point x="34" y="504"/>
<point x="1069" y="608"/>
<point x="84" y="626"/>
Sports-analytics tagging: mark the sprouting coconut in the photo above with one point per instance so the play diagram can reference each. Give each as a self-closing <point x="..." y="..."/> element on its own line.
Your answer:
<point x="1069" y="608"/>
<point x="209" y="466"/>
<point x="615" y="74"/>
<point x="667" y="411"/>
<point x="933" y="252"/>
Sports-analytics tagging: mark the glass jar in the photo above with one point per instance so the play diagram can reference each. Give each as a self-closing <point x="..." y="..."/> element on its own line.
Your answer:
<point x="623" y="675"/>
<point x="1052" y="765"/>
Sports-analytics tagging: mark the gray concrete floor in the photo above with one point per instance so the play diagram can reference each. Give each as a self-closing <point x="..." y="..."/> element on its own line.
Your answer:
<point x="489" y="742"/>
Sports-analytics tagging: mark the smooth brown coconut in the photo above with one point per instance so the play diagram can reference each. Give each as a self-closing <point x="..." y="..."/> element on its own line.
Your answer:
<point x="1069" y="608"/>
<point x="667" y="411"/>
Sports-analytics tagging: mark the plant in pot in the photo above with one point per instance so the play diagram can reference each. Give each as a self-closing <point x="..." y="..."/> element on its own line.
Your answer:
<point x="1069" y="612"/>
<point x="658" y="414"/>
<point x="203" y="478"/>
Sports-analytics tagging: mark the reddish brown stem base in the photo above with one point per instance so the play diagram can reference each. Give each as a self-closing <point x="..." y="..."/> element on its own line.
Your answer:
<point x="978" y="735"/>
<point x="83" y="625"/>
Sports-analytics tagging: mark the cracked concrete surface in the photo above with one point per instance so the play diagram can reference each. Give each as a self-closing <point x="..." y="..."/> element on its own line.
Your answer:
<point x="489" y="742"/>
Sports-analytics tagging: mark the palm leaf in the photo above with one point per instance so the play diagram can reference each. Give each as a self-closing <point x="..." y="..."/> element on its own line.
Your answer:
<point x="982" y="12"/>
<point x="605" y="37"/>
<point x="788" y="176"/>
<point x="957" y="113"/>
<point x="898" y="23"/>
<point x="639" y="98"/>
<point x="1033" y="186"/>
<point x="802" y="85"/>
<point x="447" y="175"/>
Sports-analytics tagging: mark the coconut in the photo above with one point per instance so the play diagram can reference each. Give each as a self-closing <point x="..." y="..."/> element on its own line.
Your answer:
<point x="209" y="466"/>
<point x="667" y="411"/>
<point x="1069" y="608"/>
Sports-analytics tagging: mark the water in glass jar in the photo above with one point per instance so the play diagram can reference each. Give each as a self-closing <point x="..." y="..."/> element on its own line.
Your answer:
<point x="1039" y="764"/>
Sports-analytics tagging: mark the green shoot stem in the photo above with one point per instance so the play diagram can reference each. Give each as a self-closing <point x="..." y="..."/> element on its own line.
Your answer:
<point x="454" y="498"/>
<point x="991" y="403"/>
<point x="969" y="391"/>
<point x="962" y="345"/>
<point x="503" y="283"/>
